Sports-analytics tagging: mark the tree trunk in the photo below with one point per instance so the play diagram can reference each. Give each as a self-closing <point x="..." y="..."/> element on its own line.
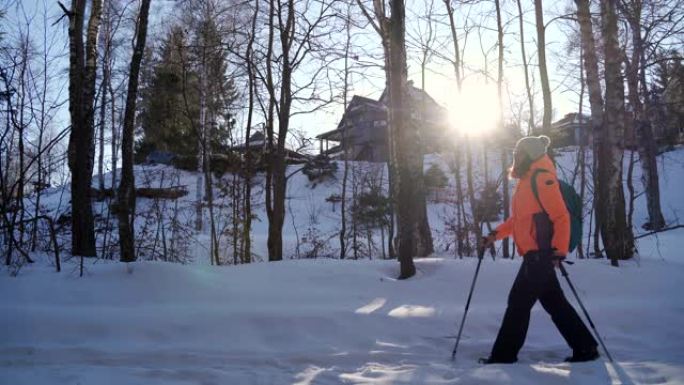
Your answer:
<point x="270" y="135"/>
<point x="462" y="228"/>
<point x="392" y="217"/>
<point x="407" y="162"/>
<point x="462" y="221"/>
<point x="104" y="36"/>
<point x="209" y="194"/>
<point x="589" y="56"/>
<point x="279" y="166"/>
<point x="345" y="147"/>
<point x="275" y="225"/>
<point x="642" y="112"/>
<point x="42" y="126"/>
<point x="355" y="202"/>
<point x="630" y="136"/>
<point x="126" y="193"/>
<point x="504" y="137"/>
<point x="649" y="174"/>
<point x="477" y="228"/>
<point x="543" y="73"/>
<point x="115" y="134"/>
<point x="247" y="213"/>
<point x="100" y="158"/>
<point x="82" y="66"/>
<point x="630" y="189"/>
<point x="21" y="126"/>
<point x="454" y="39"/>
<point x="618" y="239"/>
<point x="425" y="246"/>
<point x="590" y="60"/>
<point x="530" y="98"/>
<point x="107" y="89"/>
<point x="581" y="153"/>
<point x="201" y="140"/>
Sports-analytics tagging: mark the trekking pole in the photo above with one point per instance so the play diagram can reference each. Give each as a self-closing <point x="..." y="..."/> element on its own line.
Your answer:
<point x="480" y="255"/>
<point x="586" y="314"/>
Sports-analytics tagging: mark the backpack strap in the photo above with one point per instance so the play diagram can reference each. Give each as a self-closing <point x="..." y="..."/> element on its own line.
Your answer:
<point x="535" y="190"/>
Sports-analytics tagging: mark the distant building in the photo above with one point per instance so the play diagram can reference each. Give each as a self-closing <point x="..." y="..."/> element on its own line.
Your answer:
<point x="572" y="130"/>
<point x="364" y="129"/>
<point x="258" y="145"/>
<point x="256" y="142"/>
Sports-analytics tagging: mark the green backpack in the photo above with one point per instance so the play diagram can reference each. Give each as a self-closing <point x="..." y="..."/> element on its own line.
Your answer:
<point x="573" y="203"/>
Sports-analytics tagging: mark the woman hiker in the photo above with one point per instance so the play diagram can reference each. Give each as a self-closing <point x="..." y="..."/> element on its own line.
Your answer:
<point x="542" y="235"/>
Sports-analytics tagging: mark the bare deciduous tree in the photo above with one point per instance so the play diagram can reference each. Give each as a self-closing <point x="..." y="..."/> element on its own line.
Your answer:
<point x="543" y="71"/>
<point x="82" y="68"/>
<point x="407" y="164"/>
<point x="642" y="111"/>
<point x="530" y="97"/>
<point x="126" y="194"/>
<point x="617" y="237"/>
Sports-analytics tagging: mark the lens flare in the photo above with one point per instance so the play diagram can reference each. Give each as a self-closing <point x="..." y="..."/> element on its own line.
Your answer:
<point x="475" y="110"/>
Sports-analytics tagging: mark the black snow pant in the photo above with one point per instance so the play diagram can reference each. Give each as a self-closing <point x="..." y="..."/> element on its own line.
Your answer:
<point x="537" y="280"/>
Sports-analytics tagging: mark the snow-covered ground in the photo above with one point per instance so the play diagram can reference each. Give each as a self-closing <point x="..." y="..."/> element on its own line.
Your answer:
<point x="326" y="321"/>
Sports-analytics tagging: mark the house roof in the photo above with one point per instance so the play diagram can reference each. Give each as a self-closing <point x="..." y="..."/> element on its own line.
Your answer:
<point x="415" y="94"/>
<point x="257" y="140"/>
<point x="378" y="105"/>
<point x="569" y="119"/>
<point x="331" y="135"/>
<point x="257" y="136"/>
<point x="356" y="102"/>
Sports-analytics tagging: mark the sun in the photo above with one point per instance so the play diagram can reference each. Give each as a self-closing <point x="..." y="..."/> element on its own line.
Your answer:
<point x="475" y="110"/>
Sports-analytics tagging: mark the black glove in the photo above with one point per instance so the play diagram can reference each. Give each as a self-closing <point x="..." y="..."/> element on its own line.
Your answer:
<point x="486" y="241"/>
<point x="555" y="256"/>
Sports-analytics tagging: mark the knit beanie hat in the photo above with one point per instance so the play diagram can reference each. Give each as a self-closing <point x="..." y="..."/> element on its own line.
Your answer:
<point x="534" y="146"/>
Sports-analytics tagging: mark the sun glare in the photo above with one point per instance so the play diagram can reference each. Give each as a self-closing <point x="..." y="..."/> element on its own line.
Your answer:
<point x="474" y="111"/>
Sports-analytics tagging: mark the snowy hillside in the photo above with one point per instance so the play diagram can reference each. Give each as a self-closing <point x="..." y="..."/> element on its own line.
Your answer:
<point x="311" y="218"/>
<point x="325" y="321"/>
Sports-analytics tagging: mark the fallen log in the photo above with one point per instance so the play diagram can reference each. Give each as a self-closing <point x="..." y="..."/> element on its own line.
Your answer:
<point x="144" y="192"/>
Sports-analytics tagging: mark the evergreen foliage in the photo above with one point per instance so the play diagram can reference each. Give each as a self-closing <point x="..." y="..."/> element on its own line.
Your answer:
<point x="372" y="209"/>
<point x="489" y="205"/>
<point x="435" y="177"/>
<point x="170" y="116"/>
<point x="667" y="91"/>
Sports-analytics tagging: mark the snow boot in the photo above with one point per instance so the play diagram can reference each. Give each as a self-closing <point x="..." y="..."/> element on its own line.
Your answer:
<point x="583" y="355"/>
<point x="496" y="360"/>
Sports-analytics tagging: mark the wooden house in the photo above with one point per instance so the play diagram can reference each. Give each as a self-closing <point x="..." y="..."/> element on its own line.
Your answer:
<point x="571" y="130"/>
<point x="364" y="130"/>
<point x="258" y="145"/>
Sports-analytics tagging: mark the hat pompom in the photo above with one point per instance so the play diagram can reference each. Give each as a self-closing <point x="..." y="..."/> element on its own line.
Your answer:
<point x="545" y="140"/>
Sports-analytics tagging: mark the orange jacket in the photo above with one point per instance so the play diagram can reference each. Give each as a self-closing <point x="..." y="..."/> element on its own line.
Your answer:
<point x="524" y="205"/>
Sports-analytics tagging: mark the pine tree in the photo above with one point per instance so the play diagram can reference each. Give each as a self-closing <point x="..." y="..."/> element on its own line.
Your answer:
<point x="170" y="117"/>
<point x="166" y="121"/>
<point x="667" y="91"/>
